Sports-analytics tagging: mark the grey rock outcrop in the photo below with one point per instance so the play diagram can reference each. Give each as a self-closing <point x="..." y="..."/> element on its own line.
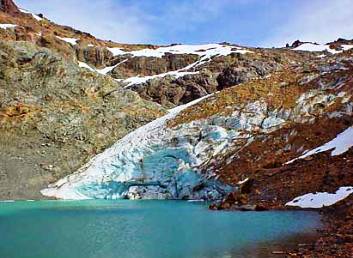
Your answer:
<point x="54" y="116"/>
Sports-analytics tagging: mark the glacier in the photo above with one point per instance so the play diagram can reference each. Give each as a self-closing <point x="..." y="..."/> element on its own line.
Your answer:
<point x="152" y="162"/>
<point x="159" y="162"/>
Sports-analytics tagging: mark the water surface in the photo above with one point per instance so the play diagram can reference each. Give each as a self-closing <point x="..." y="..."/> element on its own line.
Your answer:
<point x="153" y="229"/>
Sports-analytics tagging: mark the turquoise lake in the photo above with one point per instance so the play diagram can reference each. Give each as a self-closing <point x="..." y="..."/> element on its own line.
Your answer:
<point x="153" y="229"/>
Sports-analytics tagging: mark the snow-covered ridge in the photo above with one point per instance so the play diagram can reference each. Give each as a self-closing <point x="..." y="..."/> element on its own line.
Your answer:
<point x="207" y="50"/>
<point x="319" y="199"/>
<point x="339" y="145"/>
<point x="311" y="47"/>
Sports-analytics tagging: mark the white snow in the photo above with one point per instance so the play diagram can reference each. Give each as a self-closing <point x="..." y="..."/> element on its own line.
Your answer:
<point x="106" y="70"/>
<point x="243" y="181"/>
<point x="34" y="15"/>
<point x="207" y="50"/>
<point x="103" y="71"/>
<point x="315" y="48"/>
<point x="134" y="80"/>
<point x="84" y="65"/>
<point x="338" y="145"/>
<point x="110" y="68"/>
<point x="347" y="47"/>
<point x="321" y="199"/>
<point x="318" y="48"/>
<point x="72" y="41"/>
<point x="7" y="26"/>
<point x="117" y="51"/>
<point x="138" y="80"/>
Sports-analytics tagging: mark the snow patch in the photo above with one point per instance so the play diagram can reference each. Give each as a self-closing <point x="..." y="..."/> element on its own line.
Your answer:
<point x="321" y="199"/>
<point x="347" y="47"/>
<point x="134" y="80"/>
<point x="108" y="69"/>
<point x="71" y="41"/>
<point x="243" y="181"/>
<point x="7" y="26"/>
<point x="117" y="51"/>
<point x="84" y="65"/>
<point x="139" y="80"/>
<point x="316" y="48"/>
<point x="338" y="145"/>
<point x="103" y="71"/>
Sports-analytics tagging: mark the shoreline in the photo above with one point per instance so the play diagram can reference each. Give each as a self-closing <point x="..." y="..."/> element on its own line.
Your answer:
<point x="281" y="247"/>
<point x="335" y="238"/>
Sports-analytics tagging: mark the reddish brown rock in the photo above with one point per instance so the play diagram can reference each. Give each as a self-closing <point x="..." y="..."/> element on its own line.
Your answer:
<point x="95" y="56"/>
<point x="8" y="6"/>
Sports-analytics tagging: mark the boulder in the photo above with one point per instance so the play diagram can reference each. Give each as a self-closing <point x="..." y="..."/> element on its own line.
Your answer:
<point x="96" y="56"/>
<point x="235" y="75"/>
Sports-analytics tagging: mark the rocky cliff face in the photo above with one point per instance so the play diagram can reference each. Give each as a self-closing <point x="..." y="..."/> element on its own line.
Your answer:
<point x="54" y="116"/>
<point x="8" y="6"/>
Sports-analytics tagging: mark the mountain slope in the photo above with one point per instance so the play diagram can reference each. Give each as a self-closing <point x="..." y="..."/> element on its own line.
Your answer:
<point x="54" y="115"/>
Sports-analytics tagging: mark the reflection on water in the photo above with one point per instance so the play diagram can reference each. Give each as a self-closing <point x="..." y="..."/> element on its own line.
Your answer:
<point x="104" y="229"/>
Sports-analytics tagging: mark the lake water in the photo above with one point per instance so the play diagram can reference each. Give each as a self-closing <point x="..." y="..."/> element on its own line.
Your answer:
<point x="155" y="229"/>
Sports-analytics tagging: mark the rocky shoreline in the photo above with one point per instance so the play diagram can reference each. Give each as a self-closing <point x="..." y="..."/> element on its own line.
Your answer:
<point x="334" y="238"/>
<point x="282" y="248"/>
